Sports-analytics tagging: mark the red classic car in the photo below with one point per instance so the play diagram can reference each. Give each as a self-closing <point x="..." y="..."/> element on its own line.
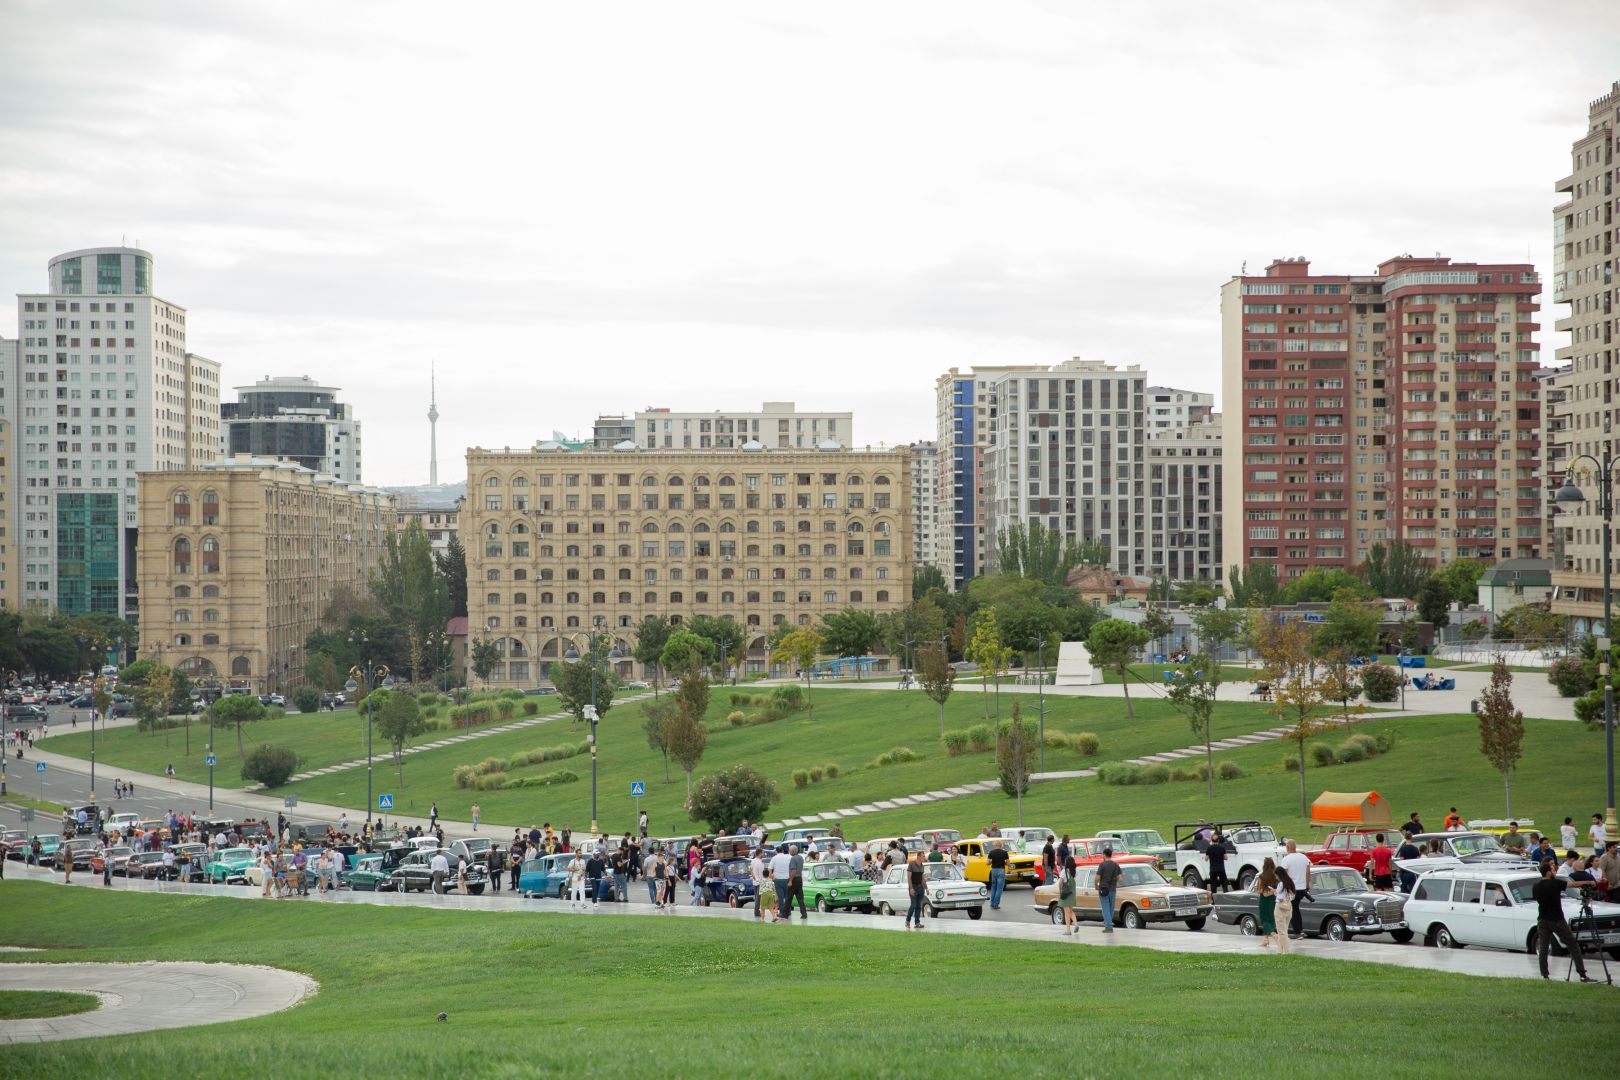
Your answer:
<point x="1353" y="848"/>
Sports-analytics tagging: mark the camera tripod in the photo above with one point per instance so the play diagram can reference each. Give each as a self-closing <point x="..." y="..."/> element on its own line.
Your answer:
<point x="1588" y="935"/>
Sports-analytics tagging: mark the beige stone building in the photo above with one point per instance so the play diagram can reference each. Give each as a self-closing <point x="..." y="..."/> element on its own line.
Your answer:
<point x="237" y="560"/>
<point x="559" y="541"/>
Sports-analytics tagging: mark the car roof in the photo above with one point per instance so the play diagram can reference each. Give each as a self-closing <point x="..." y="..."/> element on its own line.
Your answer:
<point x="1452" y="833"/>
<point x="1486" y="873"/>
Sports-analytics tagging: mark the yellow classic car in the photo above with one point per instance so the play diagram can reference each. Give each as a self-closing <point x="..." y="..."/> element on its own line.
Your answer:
<point x="1020" y="867"/>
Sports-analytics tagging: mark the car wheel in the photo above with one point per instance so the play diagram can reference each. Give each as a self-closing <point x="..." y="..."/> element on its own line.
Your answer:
<point x="1054" y="913"/>
<point x="1530" y="942"/>
<point x="1246" y="878"/>
<point x="931" y="911"/>
<point x="731" y="901"/>
<point x="1401" y="936"/>
<point x="1198" y="923"/>
<point x="1443" y="938"/>
<point x="821" y="905"/>
<point x="975" y="913"/>
<point x="1249" y="925"/>
<point x="1192" y="879"/>
<point x="475" y="890"/>
<point x="1130" y="918"/>
<point x="1334" y="929"/>
<point x="885" y="909"/>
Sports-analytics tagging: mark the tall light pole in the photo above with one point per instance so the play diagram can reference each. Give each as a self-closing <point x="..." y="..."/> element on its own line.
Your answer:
<point x="1040" y="693"/>
<point x="371" y="676"/>
<point x="1568" y="497"/>
<point x="5" y="711"/>
<point x="724" y="645"/>
<point x="572" y="654"/>
<point x="907" y="658"/>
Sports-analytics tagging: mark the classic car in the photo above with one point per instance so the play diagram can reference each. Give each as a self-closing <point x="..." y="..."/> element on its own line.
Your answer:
<point x="1492" y="906"/>
<point x="415" y="872"/>
<point x="943" y="837"/>
<point x="1449" y="850"/>
<point x="1143" y="896"/>
<point x="1021" y="868"/>
<point x="157" y="825"/>
<point x="14" y="844"/>
<point x="229" y="867"/>
<point x="1030" y="839"/>
<point x="1248" y="845"/>
<point x="1338" y="906"/>
<point x="947" y="890"/>
<point x="115" y="856"/>
<point x="79" y="850"/>
<point x="802" y="835"/>
<point x="121" y="822"/>
<point x="727" y="883"/>
<point x="1088" y="851"/>
<point x="92" y="818"/>
<point x="144" y="864"/>
<point x="1353" y="848"/>
<point x="367" y="874"/>
<point x="188" y="860"/>
<point x="830" y="884"/>
<point x="545" y="876"/>
<point x="253" y="830"/>
<point x="475" y="848"/>
<point x="875" y="848"/>
<point x="1141" y="842"/>
<point x="48" y="843"/>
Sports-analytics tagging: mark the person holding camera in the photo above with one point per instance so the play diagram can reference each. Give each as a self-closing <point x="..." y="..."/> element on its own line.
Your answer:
<point x="1550" y="921"/>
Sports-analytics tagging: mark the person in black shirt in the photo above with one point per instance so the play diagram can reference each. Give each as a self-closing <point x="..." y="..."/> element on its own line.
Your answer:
<point x="1550" y="921"/>
<point x="1217" y="864"/>
<point x="595" y="870"/>
<point x="1407" y="850"/>
<point x="997" y="857"/>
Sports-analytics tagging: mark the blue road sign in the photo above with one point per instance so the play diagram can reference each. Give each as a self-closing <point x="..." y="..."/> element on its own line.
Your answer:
<point x="385" y="802"/>
<point x="39" y="766"/>
<point x="212" y="760"/>
<point x="638" y="788"/>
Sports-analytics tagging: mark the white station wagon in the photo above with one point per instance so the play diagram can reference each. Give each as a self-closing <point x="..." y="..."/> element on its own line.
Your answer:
<point x="948" y="890"/>
<point x="1492" y="907"/>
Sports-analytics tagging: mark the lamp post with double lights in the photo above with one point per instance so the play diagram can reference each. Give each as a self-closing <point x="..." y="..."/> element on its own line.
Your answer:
<point x="572" y="655"/>
<point x="1569" y="497"/>
<point x="370" y="675"/>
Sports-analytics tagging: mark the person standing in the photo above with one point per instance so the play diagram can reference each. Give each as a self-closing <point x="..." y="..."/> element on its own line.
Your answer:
<point x="1287" y="906"/>
<point x="1598" y="834"/>
<point x="576" y="882"/>
<point x="619" y="867"/>
<point x="1265" y="887"/>
<point x="1298" y="869"/>
<point x="1048" y="860"/>
<point x="596" y="877"/>
<point x="1566" y="834"/>
<point x="1414" y="825"/>
<point x="475" y="811"/>
<point x="796" y="885"/>
<point x="433" y="817"/>
<point x="1063" y="852"/>
<point x="1216" y="853"/>
<point x="440" y="869"/>
<point x="1551" y="923"/>
<point x="916" y="889"/>
<point x="641" y="824"/>
<point x="998" y="874"/>
<point x="649" y="873"/>
<point x="756" y="875"/>
<point x="496" y="864"/>
<point x="1609" y="871"/>
<point x="781" y="875"/>
<point x="1066" y="890"/>
<point x="1107" y="879"/>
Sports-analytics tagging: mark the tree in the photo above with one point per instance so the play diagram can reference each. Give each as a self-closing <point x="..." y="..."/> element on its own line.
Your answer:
<point x="322" y="672"/>
<point x="723" y="631"/>
<point x="920" y="621"/>
<point x="1349" y="626"/>
<point x="1216" y="628"/>
<point x="684" y="732"/>
<point x="236" y="710"/>
<point x="937" y="676"/>
<point x="727" y="799"/>
<point x="1320" y="584"/>
<point x="398" y="719"/>
<point x="1194" y="692"/>
<point x="416" y="597"/>
<point x="1398" y="570"/>
<point x="1533" y="624"/>
<point x="48" y="648"/>
<point x="1285" y="647"/>
<point x="1461" y="578"/>
<point x="574" y="681"/>
<point x="927" y="579"/>
<point x="307" y="699"/>
<point x="1434" y="602"/>
<point x="451" y="563"/>
<point x="656" y="716"/>
<point x="1038" y="552"/>
<point x="1199" y="592"/>
<point x="485" y="655"/>
<point x="652" y="633"/>
<point x="992" y="657"/>
<point x="798" y="650"/>
<point x="1501" y="727"/>
<point x="271" y="766"/>
<point x="851" y="633"/>
<point x="1341" y="681"/>
<point x="1114" y="645"/>
<point x="1158" y="626"/>
<point x="684" y="650"/>
<point x="1256" y="587"/>
<point x="1016" y="742"/>
<point x="1093" y="552"/>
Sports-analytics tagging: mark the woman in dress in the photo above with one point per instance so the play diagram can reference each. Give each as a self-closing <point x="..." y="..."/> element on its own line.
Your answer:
<point x="1265" y="887"/>
<point x="1066" y="897"/>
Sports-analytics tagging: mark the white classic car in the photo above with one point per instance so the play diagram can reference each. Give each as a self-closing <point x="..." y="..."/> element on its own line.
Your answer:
<point x="1491" y="906"/>
<point x="948" y="890"/>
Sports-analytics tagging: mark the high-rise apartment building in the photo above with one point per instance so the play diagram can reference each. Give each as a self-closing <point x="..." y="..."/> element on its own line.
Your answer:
<point x="8" y="575"/>
<point x="609" y="431"/>
<point x="778" y="425"/>
<point x="1170" y="409"/>
<point x="102" y="388"/>
<point x="1586" y="278"/>
<point x="962" y="422"/>
<point x="1184" y="500"/>
<point x="1396" y="406"/>
<point x="294" y="417"/>
<point x="925" y="503"/>
<point x="561" y="541"/>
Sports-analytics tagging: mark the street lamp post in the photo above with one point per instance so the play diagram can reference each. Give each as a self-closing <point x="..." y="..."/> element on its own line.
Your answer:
<point x="370" y="675"/>
<point x="1040" y="692"/>
<point x="1400" y="666"/>
<point x="724" y="645"/>
<point x="908" y="660"/>
<point x="572" y="654"/>
<point x="1570" y="496"/>
<point x="5" y="710"/>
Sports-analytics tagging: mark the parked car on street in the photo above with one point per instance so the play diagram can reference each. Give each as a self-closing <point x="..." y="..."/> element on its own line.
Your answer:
<point x="229" y="867"/>
<point x="1143" y="896"/>
<point x="1141" y="842"/>
<point x="367" y="874"/>
<point x="545" y="876"/>
<point x="415" y="873"/>
<point x="144" y="864"/>
<point x="1248" y="845"/>
<point x="1448" y="850"/>
<point x="475" y="848"/>
<point x="79" y="850"/>
<point x="189" y="859"/>
<point x="1021" y="868"/>
<point x="48" y="843"/>
<point x="14" y="843"/>
<point x="830" y="885"/>
<point x="943" y="837"/>
<point x="947" y="890"/>
<point x="1339" y="906"/>
<point x="113" y="857"/>
<point x="121" y="822"/>
<point x="1492" y="906"/>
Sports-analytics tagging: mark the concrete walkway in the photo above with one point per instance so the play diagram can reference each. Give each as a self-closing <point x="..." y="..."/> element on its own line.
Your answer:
<point x="149" y="996"/>
<point x="1479" y="962"/>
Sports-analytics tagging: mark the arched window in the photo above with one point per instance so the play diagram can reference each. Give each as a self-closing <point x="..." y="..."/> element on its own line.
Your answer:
<point x="210" y="555"/>
<point x="572" y="620"/>
<point x="624" y="598"/>
<point x="515" y="647"/>
<point x="753" y="598"/>
<point x="649" y="598"/>
<point x="210" y="639"/>
<point x="624" y="573"/>
<point x="700" y="480"/>
<point x="753" y="620"/>
<point x="728" y="598"/>
<point x="779" y="597"/>
<point x="727" y="527"/>
<point x="182" y="615"/>
<point x="882" y="595"/>
<point x="492" y="530"/>
<point x="855" y="596"/>
<point x="182" y="639"/>
<point x="649" y="526"/>
<point x="676" y="526"/>
<point x="854" y="479"/>
<point x="210" y="592"/>
<point x="547" y="622"/>
<point x="572" y="598"/>
<point x="675" y="480"/>
<point x="493" y="598"/>
<point x="856" y="527"/>
<point x="492" y="481"/>
<point x="520" y="481"/>
<point x="598" y="598"/>
<point x="649" y="480"/>
<point x="182" y="508"/>
<point x="520" y="529"/>
<point x="545" y="598"/>
<point x="241" y="666"/>
<point x="210" y="615"/>
<point x="676" y="598"/>
<point x="727" y="480"/>
<point x="210" y="507"/>
<point x="492" y="575"/>
<point x="520" y="598"/>
<point x="181" y="592"/>
<point x="182" y="556"/>
<point x="804" y="597"/>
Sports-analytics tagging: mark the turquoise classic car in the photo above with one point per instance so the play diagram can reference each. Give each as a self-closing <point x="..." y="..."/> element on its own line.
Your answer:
<point x="367" y="874"/>
<point x="833" y="885"/>
<point x="48" y="843"/>
<point x="545" y="876"/>
<point x="229" y="867"/>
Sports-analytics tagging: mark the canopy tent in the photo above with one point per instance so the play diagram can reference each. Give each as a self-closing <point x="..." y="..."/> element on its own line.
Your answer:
<point x="1366" y="808"/>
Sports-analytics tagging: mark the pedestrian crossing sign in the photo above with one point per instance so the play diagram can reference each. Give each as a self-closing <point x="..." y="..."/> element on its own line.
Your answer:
<point x="385" y="802"/>
<point x="211" y="760"/>
<point x="638" y="788"/>
<point x="39" y="766"/>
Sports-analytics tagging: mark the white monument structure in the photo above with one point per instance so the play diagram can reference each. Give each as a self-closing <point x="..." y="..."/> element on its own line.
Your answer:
<point x="1074" y="666"/>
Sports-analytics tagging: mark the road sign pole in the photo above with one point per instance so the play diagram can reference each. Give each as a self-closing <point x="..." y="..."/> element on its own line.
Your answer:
<point x="211" y="765"/>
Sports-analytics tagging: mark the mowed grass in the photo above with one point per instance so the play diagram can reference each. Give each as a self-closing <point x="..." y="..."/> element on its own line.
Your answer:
<point x="850" y="728"/>
<point x="34" y="1004"/>
<point x="1435" y="764"/>
<point x="531" y="994"/>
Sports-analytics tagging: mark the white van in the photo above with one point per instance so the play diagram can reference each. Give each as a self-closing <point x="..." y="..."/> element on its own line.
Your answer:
<point x="1493" y="908"/>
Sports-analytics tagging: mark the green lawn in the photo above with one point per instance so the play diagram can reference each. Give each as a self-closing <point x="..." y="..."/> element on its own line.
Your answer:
<point x="34" y="1004"/>
<point x="819" y="1001"/>
<point x="39" y="807"/>
<point x="1436" y="764"/>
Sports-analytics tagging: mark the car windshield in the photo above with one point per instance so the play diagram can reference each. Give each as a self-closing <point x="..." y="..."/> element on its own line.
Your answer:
<point x="480" y="844"/>
<point x="833" y="872"/>
<point x="1144" y="838"/>
<point x="1473" y="843"/>
<point x="938" y="871"/>
<point x="235" y="853"/>
<point x="1139" y="874"/>
<point x="1330" y="881"/>
<point x="50" y="838"/>
<point x="1520" y="888"/>
<point x="373" y="863"/>
<point x="946" y="836"/>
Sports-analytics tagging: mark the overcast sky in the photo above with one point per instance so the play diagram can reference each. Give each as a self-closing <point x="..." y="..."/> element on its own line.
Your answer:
<point x="594" y="208"/>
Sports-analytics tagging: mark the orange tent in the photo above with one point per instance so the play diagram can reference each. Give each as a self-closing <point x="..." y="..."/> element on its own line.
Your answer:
<point x="1366" y="808"/>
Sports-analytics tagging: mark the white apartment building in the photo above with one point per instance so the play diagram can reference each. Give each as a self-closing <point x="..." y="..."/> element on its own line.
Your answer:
<point x="962" y="420"/>
<point x="101" y="387"/>
<point x="1184" y="500"/>
<point x="925" y="524"/>
<point x="778" y="425"/>
<point x="1169" y="408"/>
<point x="294" y="418"/>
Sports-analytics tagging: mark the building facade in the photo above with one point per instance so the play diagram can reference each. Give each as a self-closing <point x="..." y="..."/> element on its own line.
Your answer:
<point x="962" y="420"/>
<point x="1396" y="406"/>
<point x="8" y="575"/>
<point x="778" y="425"/>
<point x="609" y="431"/>
<point x="1586" y="281"/>
<point x="1184" y="501"/>
<point x="237" y="561"/>
<point x="439" y="522"/>
<point x="102" y="388"/>
<point x="925" y="504"/>
<point x="561" y="541"/>
<point x="294" y="417"/>
<point x="1171" y="409"/>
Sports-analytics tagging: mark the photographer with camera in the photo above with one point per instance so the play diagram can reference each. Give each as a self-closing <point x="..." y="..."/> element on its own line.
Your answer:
<point x="1550" y="921"/>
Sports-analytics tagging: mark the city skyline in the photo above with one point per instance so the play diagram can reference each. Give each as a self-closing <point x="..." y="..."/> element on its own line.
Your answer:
<point x="822" y="207"/>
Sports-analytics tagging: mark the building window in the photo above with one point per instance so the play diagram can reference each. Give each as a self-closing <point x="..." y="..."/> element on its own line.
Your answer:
<point x="210" y="507"/>
<point x="182" y="508"/>
<point x="182" y="556"/>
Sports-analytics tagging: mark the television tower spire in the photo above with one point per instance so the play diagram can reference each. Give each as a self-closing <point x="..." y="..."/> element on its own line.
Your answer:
<point x="433" y="426"/>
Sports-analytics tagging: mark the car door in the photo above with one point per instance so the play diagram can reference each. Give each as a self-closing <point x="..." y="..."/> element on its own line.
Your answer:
<point x="1087" y="904"/>
<point x="1502" y="925"/>
<point x="1468" y="923"/>
<point x="1337" y="852"/>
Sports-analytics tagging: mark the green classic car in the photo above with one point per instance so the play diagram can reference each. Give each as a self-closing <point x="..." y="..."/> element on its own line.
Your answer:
<point x="1142" y="842"/>
<point x="229" y="867"/>
<point x="832" y="885"/>
<point x="366" y="876"/>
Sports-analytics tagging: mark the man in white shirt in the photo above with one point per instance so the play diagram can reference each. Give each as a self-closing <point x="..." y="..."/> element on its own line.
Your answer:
<point x="1299" y="872"/>
<point x="857" y="858"/>
<point x="781" y="875"/>
<point x="1599" y="834"/>
<point x="440" y="867"/>
<point x="576" y="881"/>
<point x="1566" y="834"/>
<point x="756" y="874"/>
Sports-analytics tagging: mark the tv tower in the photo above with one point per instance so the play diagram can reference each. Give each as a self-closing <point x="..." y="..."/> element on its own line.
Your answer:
<point x="433" y="427"/>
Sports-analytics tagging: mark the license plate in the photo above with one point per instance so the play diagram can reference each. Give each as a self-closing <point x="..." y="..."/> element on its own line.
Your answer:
<point x="1611" y="939"/>
<point x="1185" y="910"/>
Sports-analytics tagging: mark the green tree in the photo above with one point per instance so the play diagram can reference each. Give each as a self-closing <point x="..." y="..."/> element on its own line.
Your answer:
<point x="451" y="564"/>
<point x="486" y="654"/>
<point x="652" y="633"/>
<point x="234" y="710"/>
<point x="1321" y="584"/>
<point x="1533" y="624"/>
<point x="927" y="579"/>
<point x="1398" y="570"/>
<point x="1217" y="627"/>
<point x="684" y="732"/>
<point x="408" y="585"/>
<point x="48" y="648"/>
<point x="851" y="633"/>
<point x="1194" y="692"/>
<point x="1256" y="587"/>
<point x="1016" y="743"/>
<point x="1114" y="645"/>
<point x="937" y="676"/>
<point x="798" y="649"/>
<point x="573" y="680"/>
<point x="920" y="621"/>
<point x="1461" y="578"/>
<point x="1341" y="682"/>
<point x="1501" y="727"/>
<point x="398" y="719"/>
<point x="1349" y="626"/>
<point x="1038" y="552"/>
<point x="1199" y="592"/>
<point x="727" y="799"/>
<point x="684" y="650"/>
<point x="1093" y="553"/>
<point x="271" y="766"/>
<point x="1159" y="626"/>
<point x="1286" y="649"/>
<point x="992" y="657"/>
<point x="1434" y="602"/>
<point x="656" y="715"/>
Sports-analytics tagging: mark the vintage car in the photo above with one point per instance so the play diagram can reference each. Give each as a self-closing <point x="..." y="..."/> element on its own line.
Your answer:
<point x="367" y="874"/>
<point x="48" y="843"/>
<point x="79" y="850"/>
<point x="14" y="843"/>
<point x="188" y="860"/>
<point x="943" y="837"/>
<point x="476" y="848"/>
<point x="415" y="872"/>
<point x="829" y="885"/>
<point x="1449" y="850"/>
<point x="1141" y="842"/>
<point x="144" y="864"/>
<point x="727" y="883"/>
<point x="253" y="830"/>
<point x="1021" y="868"/>
<point x="1248" y="845"/>
<point x="1353" y="848"/>
<point x="947" y="890"/>
<point x="113" y="856"/>
<point x="1492" y="906"/>
<point x="1143" y="896"/>
<point x="229" y="867"/>
<point x="875" y="848"/>
<point x="153" y="825"/>
<point x="545" y="876"/>
<point x="92" y="818"/>
<point x="121" y="822"/>
<point x="801" y="835"/>
<point x="1338" y="906"/>
<point x="1029" y="838"/>
<point x="1088" y="851"/>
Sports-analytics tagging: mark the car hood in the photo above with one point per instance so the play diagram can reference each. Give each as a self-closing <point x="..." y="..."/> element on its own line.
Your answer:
<point x="1159" y="892"/>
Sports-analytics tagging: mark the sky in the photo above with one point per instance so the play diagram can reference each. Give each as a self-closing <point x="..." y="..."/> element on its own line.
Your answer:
<point x="584" y="209"/>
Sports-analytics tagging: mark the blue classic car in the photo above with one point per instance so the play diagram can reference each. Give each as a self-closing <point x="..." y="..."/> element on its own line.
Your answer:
<point x="545" y="876"/>
<point x="727" y="882"/>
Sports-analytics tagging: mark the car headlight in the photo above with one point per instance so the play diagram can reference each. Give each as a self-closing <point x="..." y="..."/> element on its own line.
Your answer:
<point x="1360" y="906"/>
<point x="832" y="892"/>
<point x="983" y="891"/>
<point x="939" y="894"/>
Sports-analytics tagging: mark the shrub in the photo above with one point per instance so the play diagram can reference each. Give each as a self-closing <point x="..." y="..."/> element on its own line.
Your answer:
<point x="430" y="712"/>
<point x="1057" y="740"/>
<point x="898" y="756"/>
<point x="505" y="708"/>
<point x="1348" y="752"/>
<point x="531" y="708"/>
<point x="756" y="719"/>
<point x="801" y="778"/>
<point x="271" y="766"/>
<point x="1181" y="774"/>
<point x="736" y="718"/>
<point x="1231" y="770"/>
<point x="956" y="742"/>
<point x="982" y="736"/>
<point x="1569" y="677"/>
<point x="1087" y="743"/>
<point x="473" y="714"/>
<point x="1321" y="755"/>
<point x="880" y="761"/>
<point x="511" y="693"/>
<point x="1381" y="682"/>
<point x="790" y="697"/>
<point x="540" y="780"/>
<point x="1201" y="772"/>
<point x="306" y="699"/>
<point x="1385" y="741"/>
<point x="741" y="699"/>
<point x="427" y="699"/>
<point x="1120" y="773"/>
<point x="1290" y="764"/>
<point x="1368" y="744"/>
<point x="831" y="771"/>
<point x="1155" y="774"/>
<point x="815" y="774"/>
<point x="1589" y="708"/>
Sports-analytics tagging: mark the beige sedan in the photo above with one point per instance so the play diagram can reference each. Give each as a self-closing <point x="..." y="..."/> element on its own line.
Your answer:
<point x="1142" y="897"/>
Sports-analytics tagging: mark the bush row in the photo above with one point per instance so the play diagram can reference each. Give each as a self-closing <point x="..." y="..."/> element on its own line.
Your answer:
<point x="900" y="755"/>
<point x="1358" y="747"/>
<point x="488" y="775"/>
<point x="814" y="775"/>
<point x="562" y="776"/>
<point x="1083" y="742"/>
